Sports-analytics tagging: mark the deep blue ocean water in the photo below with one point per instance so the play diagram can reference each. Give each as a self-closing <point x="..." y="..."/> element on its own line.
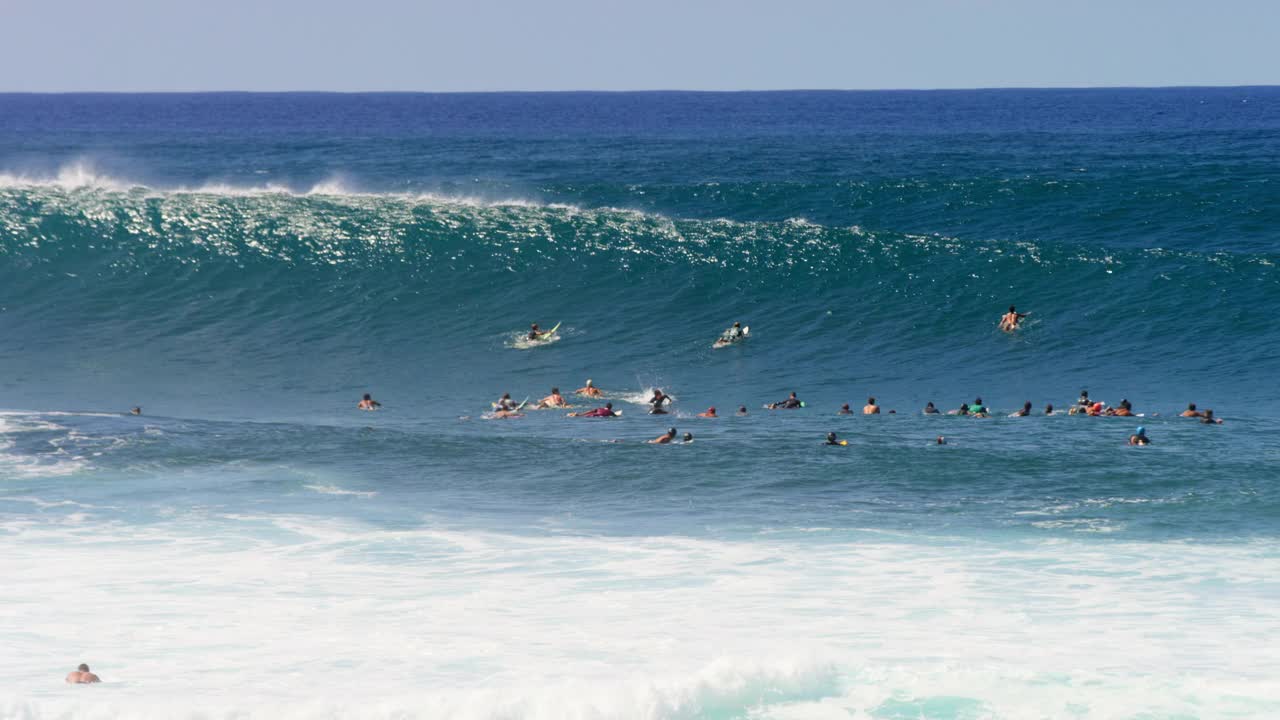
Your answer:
<point x="244" y="267"/>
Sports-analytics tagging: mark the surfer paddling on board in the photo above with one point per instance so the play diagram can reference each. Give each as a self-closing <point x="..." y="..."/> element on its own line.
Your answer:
<point x="791" y="403"/>
<point x="734" y="334"/>
<point x="505" y="403"/>
<point x="589" y="390"/>
<point x="1009" y="322"/>
<point x="368" y="403"/>
<point x="554" y="400"/>
<point x="606" y="411"/>
<point x="665" y="438"/>
<point x="536" y="334"/>
<point x="82" y="676"/>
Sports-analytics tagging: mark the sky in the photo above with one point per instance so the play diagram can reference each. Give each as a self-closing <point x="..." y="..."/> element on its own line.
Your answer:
<point x="485" y="45"/>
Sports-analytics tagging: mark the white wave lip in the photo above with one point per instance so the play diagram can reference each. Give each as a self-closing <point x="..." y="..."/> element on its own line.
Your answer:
<point x="82" y="176"/>
<point x="344" y="620"/>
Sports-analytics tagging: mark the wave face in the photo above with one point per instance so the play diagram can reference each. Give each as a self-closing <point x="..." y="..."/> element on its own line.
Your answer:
<point x="245" y="266"/>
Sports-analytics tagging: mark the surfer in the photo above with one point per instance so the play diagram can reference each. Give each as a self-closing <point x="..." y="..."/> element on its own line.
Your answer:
<point x="505" y="403"/>
<point x="589" y="390"/>
<point x="688" y="438"/>
<point x="82" y="676"/>
<point x="871" y="408"/>
<point x="664" y="438"/>
<point x="657" y="401"/>
<point x="742" y="410"/>
<point x="942" y="440"/>
<point x="503" y="415"/>
<point x="1140" y="437"/>
<point x="1208" y="419"/>
<point x="831" y="440"/>
<point x="1084" y="399"/>
<point x="710" y="413"/>
<point x="554" y="400"/>
<point x="1048" y="409"/>
<point x="1009" y="321"/>
<point x="844" y="410"/>
<point x="1025" y="411"/>
<point x="606" y="411"/>
<point x="732" y="335"/>
<point x="1125" y="409"/>
<point x="929" y="409"/>
<point x="964" y="410"/>
<point x="366" y="403"/>
<point x="791" y="403"/>
<point x="136" y="411"/>
<point x="1191" y="411"/>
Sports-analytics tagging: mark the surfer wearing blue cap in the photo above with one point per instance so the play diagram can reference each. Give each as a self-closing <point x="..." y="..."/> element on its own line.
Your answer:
<point x="1140" y="437"/>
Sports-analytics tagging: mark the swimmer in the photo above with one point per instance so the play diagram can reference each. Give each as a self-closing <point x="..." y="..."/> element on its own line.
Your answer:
<point x="1025" y="411"/>
<point x="136" y="411"/>
<point x="688" y="438"/>
<point x="1009" y="321"/>
<point x="930" y="409"/>
<point x="831" y="440"/>
<point x="710" y="413"/>
<point x="366" y="403"/>
<point x="791" y="403"/>
<point x="554" y="400"/>
<point x="871" y="408"/>
<point x="1140" y="437"/>
<point x="1209" y="419"/>
<point x="1048" y="409"/>
<point x="665" y="438"/>
<point x="1191" y="411"/>
<point x="606" y="411"/>
<point x="589" y="390"/>
<point x="844" y="410"/>
<point x="82" y="676"/>
<point x="505" y="403"/>
<point x="742" y="410"/>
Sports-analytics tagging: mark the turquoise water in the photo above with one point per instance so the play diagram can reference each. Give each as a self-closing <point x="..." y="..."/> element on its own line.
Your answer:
<point x="244" y="267"/>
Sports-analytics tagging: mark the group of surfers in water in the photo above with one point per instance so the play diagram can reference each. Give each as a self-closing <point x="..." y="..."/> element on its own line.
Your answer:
<point x="660" y="402"/>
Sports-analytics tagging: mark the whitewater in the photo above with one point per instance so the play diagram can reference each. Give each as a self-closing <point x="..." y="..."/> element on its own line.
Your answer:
<point x="244" y="267"/>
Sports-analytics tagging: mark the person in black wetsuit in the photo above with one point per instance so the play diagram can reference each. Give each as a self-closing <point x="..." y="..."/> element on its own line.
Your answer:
<point x="791" y="403"/>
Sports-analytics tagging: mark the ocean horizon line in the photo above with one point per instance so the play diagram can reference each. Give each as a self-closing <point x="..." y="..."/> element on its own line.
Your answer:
<point x="650" y="91"/>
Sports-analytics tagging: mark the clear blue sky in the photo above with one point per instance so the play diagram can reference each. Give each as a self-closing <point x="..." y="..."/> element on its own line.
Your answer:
<point x="125" y="45"/>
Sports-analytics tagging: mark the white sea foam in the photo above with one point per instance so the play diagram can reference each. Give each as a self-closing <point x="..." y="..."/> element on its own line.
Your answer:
<point x="335" y="490"/>
<point x="81" y="176"/>
<point x="344" y="620"/>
